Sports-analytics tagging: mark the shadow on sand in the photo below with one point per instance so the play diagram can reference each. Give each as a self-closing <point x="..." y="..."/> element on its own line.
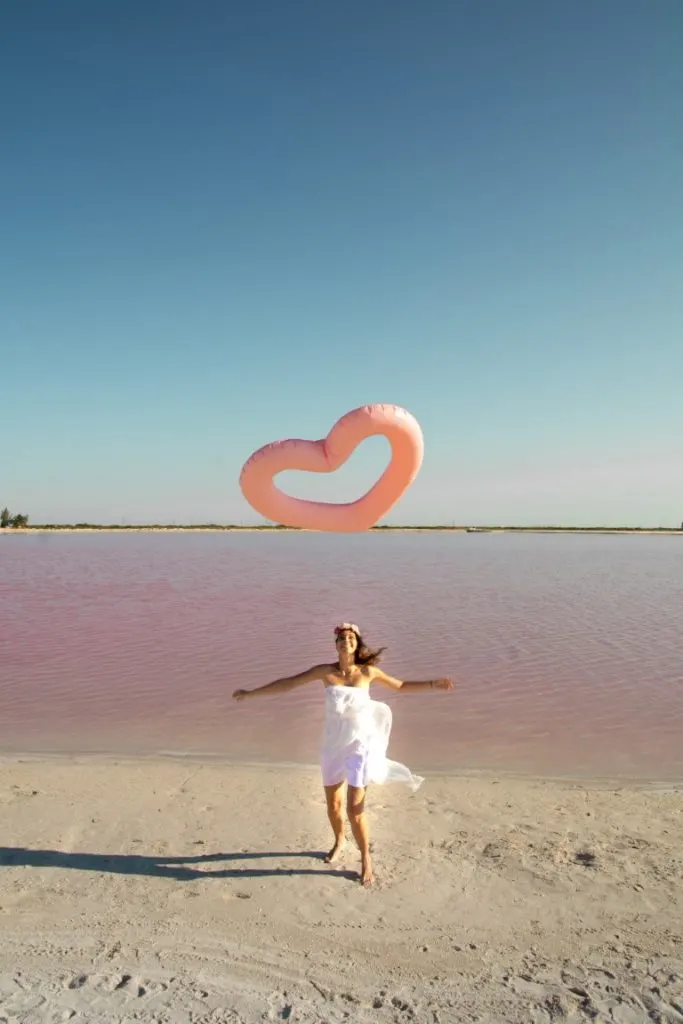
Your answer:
<point x="168" y="867"/>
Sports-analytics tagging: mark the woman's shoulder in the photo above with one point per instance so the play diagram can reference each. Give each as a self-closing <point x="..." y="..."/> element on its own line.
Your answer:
<point x="325" y="669"/>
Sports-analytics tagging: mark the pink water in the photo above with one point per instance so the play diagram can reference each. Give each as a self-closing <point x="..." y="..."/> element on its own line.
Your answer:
<point x="566" y="649"/>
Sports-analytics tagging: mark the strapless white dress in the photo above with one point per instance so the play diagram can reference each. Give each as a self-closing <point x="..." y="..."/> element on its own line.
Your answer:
<point x="356" y="738"/>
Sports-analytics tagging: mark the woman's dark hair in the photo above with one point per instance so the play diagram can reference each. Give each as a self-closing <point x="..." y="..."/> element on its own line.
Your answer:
<point x="363" y="655"/>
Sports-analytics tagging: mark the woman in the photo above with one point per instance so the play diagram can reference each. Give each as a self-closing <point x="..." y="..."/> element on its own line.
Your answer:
<point x="356" y="733"/>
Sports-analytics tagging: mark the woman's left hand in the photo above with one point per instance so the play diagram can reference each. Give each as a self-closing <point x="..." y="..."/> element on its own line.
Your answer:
<point x="444" y="684"/>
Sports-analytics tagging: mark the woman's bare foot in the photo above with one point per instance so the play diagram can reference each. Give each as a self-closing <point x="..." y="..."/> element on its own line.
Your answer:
<point x="366" y="875"/>
<point x="335" y="852"/>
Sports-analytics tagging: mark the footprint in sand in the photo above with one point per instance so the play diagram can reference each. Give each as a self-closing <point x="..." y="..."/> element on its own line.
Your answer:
<point x="126" y="984"/>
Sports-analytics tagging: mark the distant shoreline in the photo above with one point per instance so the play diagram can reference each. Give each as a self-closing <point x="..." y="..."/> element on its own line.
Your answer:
<point x="214" y="528"/>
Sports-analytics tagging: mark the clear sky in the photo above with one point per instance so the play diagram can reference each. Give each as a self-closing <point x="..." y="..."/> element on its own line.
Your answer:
<point x="224" y="223"/>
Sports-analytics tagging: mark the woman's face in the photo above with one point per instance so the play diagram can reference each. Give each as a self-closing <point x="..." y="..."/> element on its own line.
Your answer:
<point x="346" y="642"/>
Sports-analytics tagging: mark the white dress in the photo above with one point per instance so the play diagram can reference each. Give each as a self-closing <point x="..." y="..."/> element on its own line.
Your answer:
<point x="356" y="738"/>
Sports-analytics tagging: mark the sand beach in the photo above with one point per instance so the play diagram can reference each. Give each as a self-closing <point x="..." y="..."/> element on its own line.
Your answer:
<point x="171" y="890"/>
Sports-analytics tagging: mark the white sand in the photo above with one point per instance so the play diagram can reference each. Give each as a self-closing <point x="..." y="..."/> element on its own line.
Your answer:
<point x="186" y="893"/>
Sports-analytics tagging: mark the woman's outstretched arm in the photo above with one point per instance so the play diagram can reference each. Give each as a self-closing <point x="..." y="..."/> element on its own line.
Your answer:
<point x="411" y="687"/>
<point x="286" y="683"/>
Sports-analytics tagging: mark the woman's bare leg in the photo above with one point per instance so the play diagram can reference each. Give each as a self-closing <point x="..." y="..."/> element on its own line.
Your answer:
<point x="355" y="808"/>
<point x="335" y="804"/>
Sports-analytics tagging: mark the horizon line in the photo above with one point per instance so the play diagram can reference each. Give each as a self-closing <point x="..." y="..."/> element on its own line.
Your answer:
<point x="453" y="528"/>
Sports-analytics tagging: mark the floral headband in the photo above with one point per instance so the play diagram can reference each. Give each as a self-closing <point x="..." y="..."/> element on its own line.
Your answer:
<point x="346" y="625"/>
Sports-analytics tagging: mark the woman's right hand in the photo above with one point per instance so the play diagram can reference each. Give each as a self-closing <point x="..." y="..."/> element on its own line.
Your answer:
<point x="240" y="694"/>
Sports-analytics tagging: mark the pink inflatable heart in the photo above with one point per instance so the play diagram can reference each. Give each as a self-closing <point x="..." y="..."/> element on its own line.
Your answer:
<point x="407" y="448"/>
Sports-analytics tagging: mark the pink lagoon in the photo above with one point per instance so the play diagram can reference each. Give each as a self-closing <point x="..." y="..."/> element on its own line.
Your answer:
<point x="566" y="649"/>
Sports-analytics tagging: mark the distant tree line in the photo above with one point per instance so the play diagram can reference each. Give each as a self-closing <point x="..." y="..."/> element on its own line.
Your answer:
<point x="9" y="519"/>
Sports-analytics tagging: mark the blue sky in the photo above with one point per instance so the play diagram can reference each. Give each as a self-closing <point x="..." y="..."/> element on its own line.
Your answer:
<point x="226" y="223"/>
